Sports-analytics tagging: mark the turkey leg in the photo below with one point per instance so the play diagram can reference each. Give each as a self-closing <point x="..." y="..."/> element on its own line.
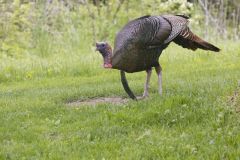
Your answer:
<point x="125" y="85"/>
<point x="146" y="86"/>
<point x="159" y="73"/>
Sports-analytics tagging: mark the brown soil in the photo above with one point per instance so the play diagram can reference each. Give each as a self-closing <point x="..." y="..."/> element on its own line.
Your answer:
<point x="99" y="100"/>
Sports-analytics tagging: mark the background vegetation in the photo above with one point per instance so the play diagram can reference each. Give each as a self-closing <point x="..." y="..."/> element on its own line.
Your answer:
<point x="51" y="37"/>
<point x="47" y="58"/>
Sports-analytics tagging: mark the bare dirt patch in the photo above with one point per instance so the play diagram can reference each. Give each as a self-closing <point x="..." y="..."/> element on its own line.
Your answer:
<point x="98" y="100"/>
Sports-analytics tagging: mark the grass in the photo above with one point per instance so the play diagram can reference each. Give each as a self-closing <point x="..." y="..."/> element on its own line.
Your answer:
<point x="192" y="120"/>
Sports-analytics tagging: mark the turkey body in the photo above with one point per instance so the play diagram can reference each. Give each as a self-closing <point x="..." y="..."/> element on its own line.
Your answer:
<point x="139" y="44"/>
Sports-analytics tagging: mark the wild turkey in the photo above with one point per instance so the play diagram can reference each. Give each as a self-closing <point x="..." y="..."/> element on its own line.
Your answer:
<point x="140" y="42"/>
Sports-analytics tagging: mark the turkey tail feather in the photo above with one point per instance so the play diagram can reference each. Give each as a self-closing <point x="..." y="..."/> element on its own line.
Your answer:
<point x="189" y="40"/>
<point x="206" y="46"/>
<point x="125" y="85"/>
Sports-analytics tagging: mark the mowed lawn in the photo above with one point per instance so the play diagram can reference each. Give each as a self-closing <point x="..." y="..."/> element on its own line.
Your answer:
<point x="195" y="118"/>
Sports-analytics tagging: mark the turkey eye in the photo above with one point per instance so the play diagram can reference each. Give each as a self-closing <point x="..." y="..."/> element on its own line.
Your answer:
<point x="102" y="45"/>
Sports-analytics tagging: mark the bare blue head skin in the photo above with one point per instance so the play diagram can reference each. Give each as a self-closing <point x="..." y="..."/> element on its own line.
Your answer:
<point x="106" y="51"/>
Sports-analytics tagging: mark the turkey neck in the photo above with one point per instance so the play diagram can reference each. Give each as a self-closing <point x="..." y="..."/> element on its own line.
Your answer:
<point x="107" y="57"/>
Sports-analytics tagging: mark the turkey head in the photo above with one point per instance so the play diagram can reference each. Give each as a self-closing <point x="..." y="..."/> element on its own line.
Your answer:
<point x="106" y="51"/>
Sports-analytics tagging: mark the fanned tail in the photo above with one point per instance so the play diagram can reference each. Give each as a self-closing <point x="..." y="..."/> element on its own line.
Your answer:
<point x="189" y="40"/>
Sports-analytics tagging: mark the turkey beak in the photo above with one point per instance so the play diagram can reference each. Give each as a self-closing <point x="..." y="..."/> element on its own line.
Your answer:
<point x="97" y="45"/>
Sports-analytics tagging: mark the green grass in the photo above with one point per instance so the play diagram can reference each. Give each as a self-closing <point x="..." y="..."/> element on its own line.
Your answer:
<point x="192" y="120"/>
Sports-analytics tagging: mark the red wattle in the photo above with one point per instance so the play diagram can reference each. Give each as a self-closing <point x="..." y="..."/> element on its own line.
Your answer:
<point x="107" y="65"/>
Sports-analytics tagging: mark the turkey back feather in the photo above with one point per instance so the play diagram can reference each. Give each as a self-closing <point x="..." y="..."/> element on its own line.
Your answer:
<point x="189" y="40"/>
<point x="178" y="23"/>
